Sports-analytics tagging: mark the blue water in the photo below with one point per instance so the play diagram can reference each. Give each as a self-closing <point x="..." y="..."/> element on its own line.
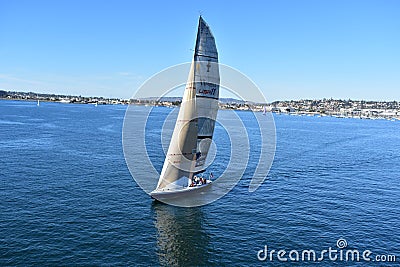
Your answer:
<point x="67" y="197"/>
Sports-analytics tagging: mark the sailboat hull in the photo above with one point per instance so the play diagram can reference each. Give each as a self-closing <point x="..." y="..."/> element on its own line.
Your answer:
<point x="187" y="191"/>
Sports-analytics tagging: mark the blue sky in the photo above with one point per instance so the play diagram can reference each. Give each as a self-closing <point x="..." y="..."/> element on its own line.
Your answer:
<point x="290" y="49"/>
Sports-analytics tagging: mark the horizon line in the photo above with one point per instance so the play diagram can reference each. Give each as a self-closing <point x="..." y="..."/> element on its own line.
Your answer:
<point x="294" y="99"/>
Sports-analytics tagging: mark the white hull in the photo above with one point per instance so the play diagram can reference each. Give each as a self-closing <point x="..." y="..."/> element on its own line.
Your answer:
<point x="175" y="193"/>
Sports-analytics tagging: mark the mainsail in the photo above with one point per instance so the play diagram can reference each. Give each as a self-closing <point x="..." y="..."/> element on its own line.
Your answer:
<point x="194" y="128"/>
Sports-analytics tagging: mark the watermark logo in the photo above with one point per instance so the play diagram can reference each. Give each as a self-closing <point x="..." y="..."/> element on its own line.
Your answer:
<point x="339" y="253"/>
<point x="138" y="126"/>
<point x="341" y="243"/>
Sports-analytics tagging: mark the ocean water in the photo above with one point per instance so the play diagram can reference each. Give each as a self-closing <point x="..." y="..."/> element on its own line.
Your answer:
<point x="67" y="196"/>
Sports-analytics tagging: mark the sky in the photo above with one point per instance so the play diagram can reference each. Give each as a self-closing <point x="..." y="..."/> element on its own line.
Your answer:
<point x="304" y="49"/>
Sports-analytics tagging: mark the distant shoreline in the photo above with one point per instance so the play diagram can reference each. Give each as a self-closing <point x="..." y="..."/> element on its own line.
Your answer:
<point x="389" y="110"/>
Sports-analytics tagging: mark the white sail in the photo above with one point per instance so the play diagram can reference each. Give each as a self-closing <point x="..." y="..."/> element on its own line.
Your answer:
<point x="194" y="127"/>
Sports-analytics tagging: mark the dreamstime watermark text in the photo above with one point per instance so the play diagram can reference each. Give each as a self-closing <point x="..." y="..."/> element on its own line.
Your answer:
<point x="338" y="253"/>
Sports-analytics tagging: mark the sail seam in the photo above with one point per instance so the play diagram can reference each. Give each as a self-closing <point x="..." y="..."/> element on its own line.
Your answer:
<point x="199" y="55"/>
<point x="202" y="96"/>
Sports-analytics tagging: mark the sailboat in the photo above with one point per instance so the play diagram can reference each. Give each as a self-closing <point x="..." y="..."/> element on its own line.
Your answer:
<point x="184" y="163"/>
<point x="38" y="103"/>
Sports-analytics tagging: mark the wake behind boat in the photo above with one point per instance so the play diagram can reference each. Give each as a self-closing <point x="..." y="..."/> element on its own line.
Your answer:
<point x="184" y="164"/>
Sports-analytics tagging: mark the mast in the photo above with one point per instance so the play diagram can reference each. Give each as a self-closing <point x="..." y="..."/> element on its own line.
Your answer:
<point x="194" y="127"/>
